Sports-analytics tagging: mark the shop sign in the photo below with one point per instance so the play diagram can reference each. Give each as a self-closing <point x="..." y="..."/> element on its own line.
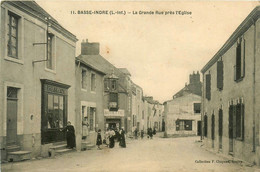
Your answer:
<point x="119" y="113"/>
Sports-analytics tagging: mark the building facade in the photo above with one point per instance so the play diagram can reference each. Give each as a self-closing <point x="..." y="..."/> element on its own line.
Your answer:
<point x="231" y="96"/>
<point x="89" y="99"/>
<point x="182" y="115"/>
<point x="37" y="86"/>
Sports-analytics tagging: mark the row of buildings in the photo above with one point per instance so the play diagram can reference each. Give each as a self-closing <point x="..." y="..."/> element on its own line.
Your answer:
<point x="43" y="85"/>
<point x="231" y="94"/>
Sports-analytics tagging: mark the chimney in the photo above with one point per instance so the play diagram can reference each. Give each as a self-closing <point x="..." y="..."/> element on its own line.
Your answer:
<point x="89" y="48"/>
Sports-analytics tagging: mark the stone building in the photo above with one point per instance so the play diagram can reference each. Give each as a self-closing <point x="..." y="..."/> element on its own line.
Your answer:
<point x="231" y="94"/>
<point x="89" y="95"/>
<point x="182" y="113"/>
<point x="37" y="86"/>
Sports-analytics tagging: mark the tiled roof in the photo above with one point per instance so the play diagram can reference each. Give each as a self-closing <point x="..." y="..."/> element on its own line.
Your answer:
<point x="32" y="8"/>
<point x="125" y="71"/>
<point x="100" y="63"/>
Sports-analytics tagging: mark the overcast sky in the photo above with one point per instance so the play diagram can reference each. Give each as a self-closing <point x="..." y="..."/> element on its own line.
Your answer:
<point x="160" y="51"/>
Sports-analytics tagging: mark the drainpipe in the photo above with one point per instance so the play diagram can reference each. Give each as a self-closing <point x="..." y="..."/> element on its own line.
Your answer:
<point x="202" y="109"/>
<point x="254" y="102"/>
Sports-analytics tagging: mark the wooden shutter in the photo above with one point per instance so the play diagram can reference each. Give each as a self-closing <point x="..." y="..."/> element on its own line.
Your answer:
<point x="243" y="119"/>
<point x="243" y="52"/>
<point x="220" y="122"/>
<point x="213" y="127"/>
<point x="220" y="75"/>
<point x="208" y="87"/>
<point x="205" y="125"/>
<point x="238" y="61"/>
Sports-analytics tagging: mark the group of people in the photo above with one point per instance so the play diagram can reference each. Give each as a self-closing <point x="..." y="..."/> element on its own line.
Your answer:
<point x="112" y="135"/>
<point x="150" y="133"/>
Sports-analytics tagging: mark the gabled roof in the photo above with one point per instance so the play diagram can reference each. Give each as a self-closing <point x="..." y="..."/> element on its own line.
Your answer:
<point x="241" y="29"/>
<point x="100" y="63"/>
<point x="86" y="63"/>
<point x="33" y="9"/>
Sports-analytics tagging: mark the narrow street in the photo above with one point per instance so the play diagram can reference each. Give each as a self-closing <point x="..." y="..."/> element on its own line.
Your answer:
<point x="158" y="154"/>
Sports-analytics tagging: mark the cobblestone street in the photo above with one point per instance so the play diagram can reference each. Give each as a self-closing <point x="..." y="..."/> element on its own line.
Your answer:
<point x="158" y="154"/>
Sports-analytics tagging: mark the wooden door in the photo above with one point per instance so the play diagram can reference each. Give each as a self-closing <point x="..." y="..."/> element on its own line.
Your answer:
<point x="11" y="120"/>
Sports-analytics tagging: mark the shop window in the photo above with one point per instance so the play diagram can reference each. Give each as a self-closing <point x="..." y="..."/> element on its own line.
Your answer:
<point x="83" y="79"/>
<point x="12" y="44"/>
<point x="55" y="111"/>
<point x="220" y="75"/>
<point x="93" y="82"/>
<point x="208" y="86"/>
<point x="196" y="107"/>
<point x="239" y="68"/>
<point x="183" y="125"/>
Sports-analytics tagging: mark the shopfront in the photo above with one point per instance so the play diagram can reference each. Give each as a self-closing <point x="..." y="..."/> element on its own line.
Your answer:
<point x="54" y="111"/>
<point x="114" y="119"/>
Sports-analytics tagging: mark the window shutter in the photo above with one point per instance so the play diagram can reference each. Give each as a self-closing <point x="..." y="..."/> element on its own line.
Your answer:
<point x="238" y="62"/>
<point x="220" y="75"/>
<point x="220" y="122"/>
<point x="234" y="120"/>
<point x="213" y="127"/>
<point x="243" y="119"/>
<point x="243" y="58"/>
<point x="205" y="125"/>
<point x="208" y="89"/>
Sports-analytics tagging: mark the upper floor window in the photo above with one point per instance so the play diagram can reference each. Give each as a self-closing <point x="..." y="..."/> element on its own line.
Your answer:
<point x="196" y="107"/>
<point x="12" y="45"/>
<point x="50" y="64"/>
<point x="84" y="79"/>
<point x="239" y="68"/>
<point x="113" y="85"/>
<point x="220" y="75"/>
<point x="106" y="85"/>
<point x="93" y="82"/>
<point x="208" y="86"/>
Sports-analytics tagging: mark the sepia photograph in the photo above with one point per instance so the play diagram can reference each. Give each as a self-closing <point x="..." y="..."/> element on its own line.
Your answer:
<point x="129" y="86"/>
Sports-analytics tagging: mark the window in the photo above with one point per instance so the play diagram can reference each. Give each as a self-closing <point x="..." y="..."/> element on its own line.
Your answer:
<point x="183" y="125"/>
<point x="239" y="68"/>
<point x="84" y="79"/>
<point x="208" y="86"/>
<point x="93" y="82"/>
<point x="113" y="101"/>
<point x="236" y="114"/>
<point x="205" y="126"/>
<point x="55" y="113"/>
<point x="106" y="86"/>
<point x="220" y="75"/>
<point x="196" y="107"/>
<point x="12" y="45"/>
<point x="113" y="85"/>
<point x="50" y="64"/>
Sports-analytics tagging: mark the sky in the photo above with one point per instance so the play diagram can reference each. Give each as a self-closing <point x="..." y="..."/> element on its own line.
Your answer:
<point x="160" y="51"/>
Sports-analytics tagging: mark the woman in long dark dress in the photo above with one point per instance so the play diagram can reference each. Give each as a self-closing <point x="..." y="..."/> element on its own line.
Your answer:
<point x="99" y="139"/>
<point x="111" y="138"/>
<point x="70" y="134"/>
<point x="122" y="138"/>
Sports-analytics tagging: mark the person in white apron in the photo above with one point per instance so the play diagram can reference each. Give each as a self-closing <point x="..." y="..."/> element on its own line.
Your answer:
<point x="85" y="126"/>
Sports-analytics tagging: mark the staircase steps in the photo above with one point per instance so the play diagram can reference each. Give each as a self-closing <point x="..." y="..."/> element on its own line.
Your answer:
<point x="86" y="145"/>
<point x="18" y="156"/>
<point x="58" y="149"/>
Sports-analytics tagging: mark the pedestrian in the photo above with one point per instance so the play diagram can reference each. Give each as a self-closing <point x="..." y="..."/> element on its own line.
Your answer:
<point x="70" y="135"/>
<point x="122" y="138"/>
<point x="142" y="134"/>
<point x="154" y="131"/>
<point x="107" y="137"/>
<point x="150" y="133"/>
<point x="85" y="126"/>
<point x="136" y="133"/>
<point x="111" y="138"/>
<point x="99" y="139"/>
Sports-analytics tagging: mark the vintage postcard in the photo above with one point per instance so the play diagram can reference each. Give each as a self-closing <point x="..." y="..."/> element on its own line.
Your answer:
<point x="130" y="86"/>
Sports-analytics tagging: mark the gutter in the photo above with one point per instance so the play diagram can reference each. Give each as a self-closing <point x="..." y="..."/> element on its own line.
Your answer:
<point x="254" y="95"/>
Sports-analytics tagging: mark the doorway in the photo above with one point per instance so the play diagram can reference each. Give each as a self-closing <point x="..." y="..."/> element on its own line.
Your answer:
<point x="199" y="128"/>
<point x="12" y="100"/>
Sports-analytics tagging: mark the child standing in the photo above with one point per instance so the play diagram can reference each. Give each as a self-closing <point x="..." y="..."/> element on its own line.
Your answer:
<point x="99" y="139"/>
